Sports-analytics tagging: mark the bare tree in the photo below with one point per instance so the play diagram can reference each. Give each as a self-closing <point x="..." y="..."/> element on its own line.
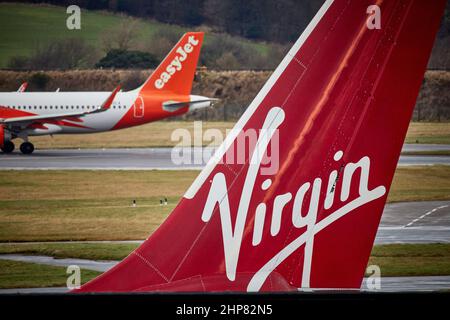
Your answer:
<point x="121" y="37"/>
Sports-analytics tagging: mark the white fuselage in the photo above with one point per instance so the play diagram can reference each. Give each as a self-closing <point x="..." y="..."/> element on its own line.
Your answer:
<point x="54" y="103"/>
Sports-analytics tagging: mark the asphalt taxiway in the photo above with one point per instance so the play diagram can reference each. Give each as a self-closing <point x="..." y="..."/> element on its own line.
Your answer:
<point x="418" y="147"/>
<point x="159" y="158"/>
<point x="415" y="222"/>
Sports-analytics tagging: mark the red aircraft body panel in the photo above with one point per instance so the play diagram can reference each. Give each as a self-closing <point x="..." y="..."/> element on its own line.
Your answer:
<point x="303" y="208"/>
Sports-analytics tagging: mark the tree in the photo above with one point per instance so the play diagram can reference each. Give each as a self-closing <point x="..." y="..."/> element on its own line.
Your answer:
<point x="39" y="81"/>
<point x="122" y="36"/>
<point x="123" y="59"/>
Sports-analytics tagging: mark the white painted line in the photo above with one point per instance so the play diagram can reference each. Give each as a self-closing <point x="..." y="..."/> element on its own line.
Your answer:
<point x="425" y="215"/>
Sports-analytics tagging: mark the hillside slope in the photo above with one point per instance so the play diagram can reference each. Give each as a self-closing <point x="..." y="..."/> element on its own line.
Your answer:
<point x="25" y="27"/>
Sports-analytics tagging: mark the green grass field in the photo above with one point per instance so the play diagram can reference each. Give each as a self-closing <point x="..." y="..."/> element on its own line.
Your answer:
<point x="81" y="205"/>
<point x="393" y="260"/>
<point x="429" y="132"/>
<point x="420" y="184"/>
<point x="96" y="205"/>
<point x="412" y="259"/>
<point x="14" y="274"/>
<point x="90" y="251"/>
<point x="25" y="26"/>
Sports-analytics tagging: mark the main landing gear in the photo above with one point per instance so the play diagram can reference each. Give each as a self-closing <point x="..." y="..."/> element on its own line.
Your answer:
<point x="8" y="146"/>
<point x="26" y="147"/>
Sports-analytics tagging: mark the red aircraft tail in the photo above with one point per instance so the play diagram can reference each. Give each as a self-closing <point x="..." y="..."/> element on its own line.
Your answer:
<point x="176" y="72"/>
<point x="300" y="207"/>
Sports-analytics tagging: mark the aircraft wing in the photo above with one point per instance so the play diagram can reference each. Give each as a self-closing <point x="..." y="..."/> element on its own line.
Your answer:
<point x="58" y="116"/>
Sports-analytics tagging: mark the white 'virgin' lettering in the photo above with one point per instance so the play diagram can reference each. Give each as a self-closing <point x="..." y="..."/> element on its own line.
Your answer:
<point x="232" y="237"/>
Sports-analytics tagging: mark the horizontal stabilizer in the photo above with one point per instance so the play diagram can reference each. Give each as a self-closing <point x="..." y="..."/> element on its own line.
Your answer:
<point x="173" y="106"/>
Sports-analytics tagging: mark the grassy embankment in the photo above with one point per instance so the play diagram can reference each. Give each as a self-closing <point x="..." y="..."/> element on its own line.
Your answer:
<point x="26" y="26"/>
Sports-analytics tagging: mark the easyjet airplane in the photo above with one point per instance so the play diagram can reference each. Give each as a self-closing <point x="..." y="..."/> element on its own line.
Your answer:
<point x="334" y="115"/>
<point x="166" y="93"/>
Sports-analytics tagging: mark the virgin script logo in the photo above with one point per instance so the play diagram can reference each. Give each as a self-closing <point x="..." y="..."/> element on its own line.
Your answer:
<point x="232" y="237"/>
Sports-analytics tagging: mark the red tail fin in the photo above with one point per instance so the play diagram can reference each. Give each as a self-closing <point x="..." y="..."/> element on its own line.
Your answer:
<point x="176" y="72"/>
<point x="306" y="213"/>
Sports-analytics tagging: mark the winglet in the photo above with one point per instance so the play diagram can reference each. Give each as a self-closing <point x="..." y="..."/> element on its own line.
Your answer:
<point x="23" y="87"/>
<point x="108" y="102"/>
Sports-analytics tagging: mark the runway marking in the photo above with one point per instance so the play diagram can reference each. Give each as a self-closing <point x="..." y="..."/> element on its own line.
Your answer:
<point x="424" y="228"/>
<point x="424" y="215"/>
